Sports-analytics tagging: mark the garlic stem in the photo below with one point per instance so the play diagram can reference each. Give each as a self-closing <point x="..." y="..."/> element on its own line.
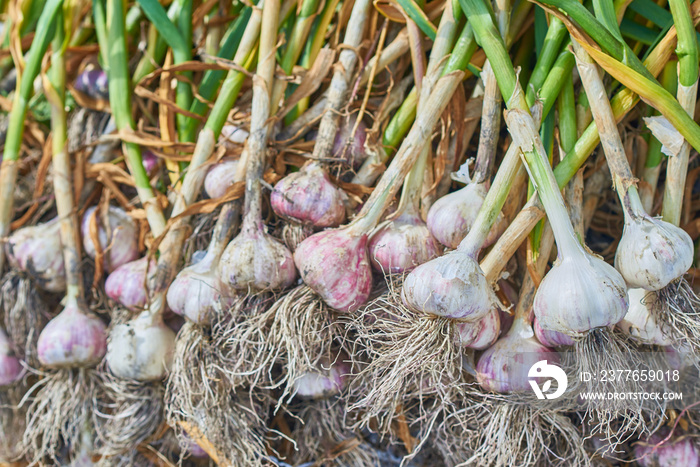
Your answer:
<point x="609" y="136"/>
<point x="490" y="126"/>
<point x="260" y="113"/>
<point x="687" y="52"/>
<point x="55" y="90"/>
<point x="337" y="91"/>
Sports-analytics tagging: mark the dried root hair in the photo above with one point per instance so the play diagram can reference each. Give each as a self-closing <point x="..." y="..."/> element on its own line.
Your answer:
<point x="12" y="422"/>
<point x="235" y="431"/>
<point x="293" y="233"/>
<point x="197" y="386"/>
<point x="499" y="432"/>
<point x="617" y="419"/>
<point x="275" y="346"/>
<point x="131" y="414"/>
<point x="322" y="438"/>
<point x="677" y="308"/>
<point x="412" y="360"/>
<point x="25" y="314"/>
<point x="62" y="405"/>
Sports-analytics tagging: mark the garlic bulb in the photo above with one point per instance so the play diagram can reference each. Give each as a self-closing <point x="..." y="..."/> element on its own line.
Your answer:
<point x="639" y="323"/>
<point x="335" y="264"/>
<point x="74" y="338"/>
<point x="93" y="82"/>
<point x="232" y="136"/>
<point x="141" y="349"/>
<point x="351" y="151"/>
<point x="652" y="253"/>
<point x="580" y="293"/>
<point x="256" y="260"/>
<point x="504" y="367"/>
<point x="677" y="451"/>
<point x="552" y="338"/>
<point x="197" y="289"/>
<point x="120" y="245"/>
<point x="402" y="243"/>
<point x="453" y="215"/>
<point x="326" y="382"/>
<point x="150" y="162"/>
<point x="127" y="284"/>
<point x="309" y="196"/>
<point x="37" y="250"/>
<point x="489" y="329"/>
<point x="220" y="177"/>
<point x="451" y="286"/>
<point x="10" y="367"/>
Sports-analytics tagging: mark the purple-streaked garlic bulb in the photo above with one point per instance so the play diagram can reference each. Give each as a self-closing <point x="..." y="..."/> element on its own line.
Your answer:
<point x="142" y="348"/>
<point x="232" y="136"/>
<point x="93" y="82"/>
<point x="118" y="240"/>
<point x="451" y="286"/>
<point x="504" y="367"/>
<point x="639" y="322"/>
<point x="150" y="162"/>
<point x="552" y="339"/>
<point x="309" y="197"/>
<point x="10" y="367"/>
<point x="651" y="252"/>
<point x="580" y="293"/>
<point x="677" y="451"/>
<point x="220" y="177"/>
<point x="197" y="290"/>
<point x="195" y="450"/>
<point x="326" y="382"/>
<point x="402" y="243"/>
<point x="127" y="283"/>
<point x="453" y="215"/>
<point x="74" y="338"/>
<point x="489" y="328"/>
<point x="256" y="260"/>
<point x="351" y="151"/>
<point x="336" y="265"/>
<point x="37" y="250"/>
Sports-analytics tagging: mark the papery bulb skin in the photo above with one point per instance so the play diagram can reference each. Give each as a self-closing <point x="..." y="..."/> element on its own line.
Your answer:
<point x="141" y="349"/>
<point x="232" y="136"/>
<point x="552" y="339"/>
<point x="256" y="260"/>
<point x="309" y="196"/>
<point x="93" y="82"/>
<point x="489" y="330"/>
<point x="452" y="216"/>
<point x="324" y="383"/>
<point x="677" y="451"/>
<point x="652" y="253"/>
<point x="127" y="283"/>
<point x="580" y="293"/>
<point x="10" y="367"/>
<point x="197" y="291"/>
<point x="451" y="286"/>
<point x="74" y="338"/>
<point x="220" y="177"/>
<point x="120" y="245"/>
<point x="37" y="250"/>
<point x="353" y="154"/>
<point x="336" y="265"/>
<point x="401" y="244"/>
<point x="504" y="367"/>
<point x="639" y="323"/>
